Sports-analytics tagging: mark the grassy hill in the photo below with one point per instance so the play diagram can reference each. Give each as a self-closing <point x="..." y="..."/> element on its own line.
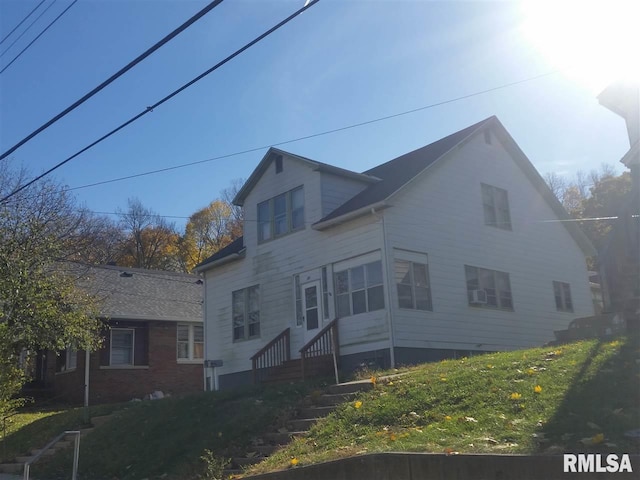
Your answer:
<point x="578" y="397"/>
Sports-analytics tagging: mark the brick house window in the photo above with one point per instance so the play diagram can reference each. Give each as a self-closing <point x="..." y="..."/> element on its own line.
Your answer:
<point x="562" y="294"/>
<point x="488" y="288"/>
<point x="246" y="313"/>
<point x="67" y="360"/>
<point x="495" y="203"/>
<point x="190" y="342"/>
<point x="122" y="342"/>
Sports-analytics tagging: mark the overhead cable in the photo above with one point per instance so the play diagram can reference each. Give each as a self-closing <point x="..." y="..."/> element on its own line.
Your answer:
<point x="37" y="37"/>
<point x="165" y="99"/>
<point x="115" y="76"/>
<point x="27" y="29"/>
<point x="21" y="22"/>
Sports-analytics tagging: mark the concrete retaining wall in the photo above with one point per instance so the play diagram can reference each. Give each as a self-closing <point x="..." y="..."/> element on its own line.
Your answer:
<point x="418" y="466"/>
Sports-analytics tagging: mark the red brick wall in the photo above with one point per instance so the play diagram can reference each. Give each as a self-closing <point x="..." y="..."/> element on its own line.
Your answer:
<point x="108" y="385"/>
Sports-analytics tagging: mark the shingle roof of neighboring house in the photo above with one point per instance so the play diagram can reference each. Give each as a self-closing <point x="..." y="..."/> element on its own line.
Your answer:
<point x="397" y="172"/>
<point x="139" y="294"/>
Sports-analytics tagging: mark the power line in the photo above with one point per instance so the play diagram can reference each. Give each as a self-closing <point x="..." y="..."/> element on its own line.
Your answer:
<point x="27" y="29"/>
<point x="165" y="99"/>
<point x="39" y="35"/>
<point x="313" y="135"/>
<point x="115" y="76"/>
<point x="23" y="20"/>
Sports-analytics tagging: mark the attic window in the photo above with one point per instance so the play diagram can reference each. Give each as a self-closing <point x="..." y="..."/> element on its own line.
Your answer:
<point x="278" y="163"/>
<point x="487" y="137"/>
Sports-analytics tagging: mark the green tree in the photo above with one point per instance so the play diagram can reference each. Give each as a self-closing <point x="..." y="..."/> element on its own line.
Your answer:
<point x="40" y="306"/>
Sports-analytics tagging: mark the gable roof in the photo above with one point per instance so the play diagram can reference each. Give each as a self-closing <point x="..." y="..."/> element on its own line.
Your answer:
<point x="139" y="294"/>
<point x="273" y="153"/>
<point x="396" y="173"/>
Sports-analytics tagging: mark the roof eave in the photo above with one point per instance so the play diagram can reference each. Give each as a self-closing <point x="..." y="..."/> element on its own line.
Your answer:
<point x="323" y="225"/>
<point x="221" y="261"/>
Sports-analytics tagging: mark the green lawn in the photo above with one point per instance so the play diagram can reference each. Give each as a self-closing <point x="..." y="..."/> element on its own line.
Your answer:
<point x="580" y="397"/>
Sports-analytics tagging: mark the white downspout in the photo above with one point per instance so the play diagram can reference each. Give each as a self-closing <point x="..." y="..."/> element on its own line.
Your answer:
<point x="392" y="355"/>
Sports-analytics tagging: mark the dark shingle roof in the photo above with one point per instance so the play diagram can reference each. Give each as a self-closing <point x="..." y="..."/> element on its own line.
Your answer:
<point x="397" y="172"/>
<point x="234" y="247"/>
<point x="140" y="294"/>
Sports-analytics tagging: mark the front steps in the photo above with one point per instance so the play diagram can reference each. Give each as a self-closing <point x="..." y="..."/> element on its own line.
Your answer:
<point x="17" y="466"/>
<point x="291" y="370"/>
<point x="312" y="409"/>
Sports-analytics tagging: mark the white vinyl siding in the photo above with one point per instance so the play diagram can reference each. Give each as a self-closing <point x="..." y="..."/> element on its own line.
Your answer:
<point x="190" y="342"/>
<point x="246" y="313"/>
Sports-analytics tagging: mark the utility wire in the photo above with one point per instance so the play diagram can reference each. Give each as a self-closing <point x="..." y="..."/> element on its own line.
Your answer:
<point x="116" y="75"/>
<point x="165" y="99"/>
<point x="27" y="29"/>
<point x="39" y="35"/>
<point x="23" y="20"/>
<point x="313" y="135"/>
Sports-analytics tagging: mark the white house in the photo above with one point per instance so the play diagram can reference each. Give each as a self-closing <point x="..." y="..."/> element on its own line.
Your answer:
<point x="455" y="248"/>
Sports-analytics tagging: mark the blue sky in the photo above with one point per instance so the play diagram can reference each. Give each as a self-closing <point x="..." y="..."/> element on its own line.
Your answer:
<point x="339" y="63"/>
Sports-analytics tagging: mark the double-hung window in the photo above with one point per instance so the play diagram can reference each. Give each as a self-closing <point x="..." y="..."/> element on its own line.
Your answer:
<point x="562" y="293"/>
<point x="488" y="288"/>
<point x="412" y="281"/>
<point x="122" y="342"/>
<point x="495" y="202"/>
<point x="359" y="289"/>
<point x="281" y="215"/>
<point x="190" y="342"/>
<point x="246" y="313"/>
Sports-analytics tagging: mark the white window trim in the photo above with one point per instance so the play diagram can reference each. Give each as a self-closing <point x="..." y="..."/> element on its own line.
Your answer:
<point x="289" y="214"/>
<point x="191" y="344"/>
<point x="365" y="289"/>
<point x="133" y="349"/>
<point x="494" y="196"/>
<point x="424" y="263"/>
<point x="563" y="297"/>
<point x="487" y="306"/>
<point x="246" y="336"/>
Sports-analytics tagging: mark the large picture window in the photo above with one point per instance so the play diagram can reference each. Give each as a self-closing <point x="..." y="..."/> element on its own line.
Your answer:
<point x="412" y="281"/>
<point x="359" y="289"/>
<point x="281" y="215"/>
<point x="246" y="313"/>
<point x="495" y="202"/>
<point x="488" y="288"/>
<point x="190" y="342"/>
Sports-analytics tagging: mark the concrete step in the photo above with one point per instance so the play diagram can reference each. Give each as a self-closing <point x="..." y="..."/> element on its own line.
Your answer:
<point x="264" y="450"/>
<point x="23" y="458"/>
<point x="330" y="399"/>
<point x="48" y="453"/>
<point x="281" y="438"/>
<point x="315" y="412"/>
<point x="301" y="424"/>
<point x="11" y="467"/>
<point x="351" y="387"/>
<point x="231" y="472"/>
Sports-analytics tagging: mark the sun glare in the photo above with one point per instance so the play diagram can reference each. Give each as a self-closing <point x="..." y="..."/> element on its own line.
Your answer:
<point x="592" y="42"/>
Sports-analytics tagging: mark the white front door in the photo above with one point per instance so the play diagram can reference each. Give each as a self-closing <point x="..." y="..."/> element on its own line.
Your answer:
<point x="311" y="309"/>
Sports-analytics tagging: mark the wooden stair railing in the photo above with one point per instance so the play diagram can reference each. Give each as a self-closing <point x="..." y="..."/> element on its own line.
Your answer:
<point x="273" y="354"/>
<point x="326" y="342"/>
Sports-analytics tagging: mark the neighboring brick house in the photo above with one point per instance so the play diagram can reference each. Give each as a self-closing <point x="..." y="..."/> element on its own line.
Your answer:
<point x="153" y="341"/>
